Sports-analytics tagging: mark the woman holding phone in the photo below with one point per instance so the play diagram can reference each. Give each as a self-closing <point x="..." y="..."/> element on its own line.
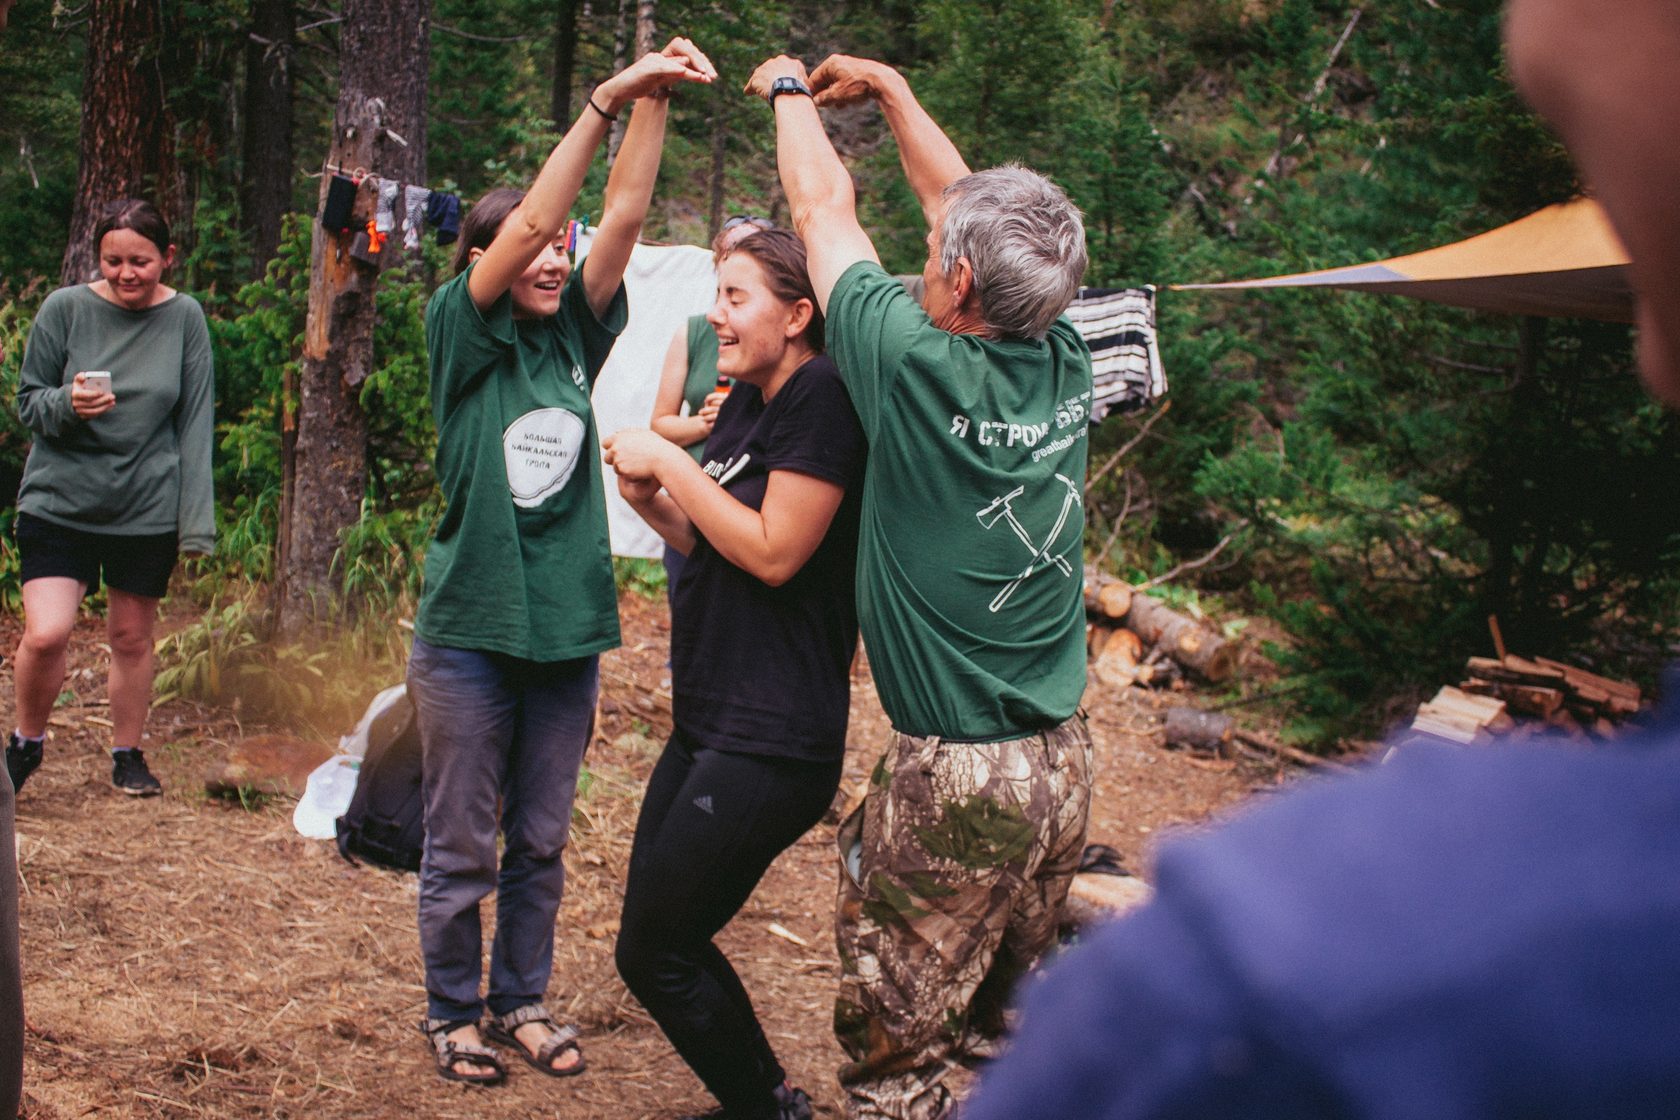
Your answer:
<point x="762" y="636"/>
<point x="117" y="387"/>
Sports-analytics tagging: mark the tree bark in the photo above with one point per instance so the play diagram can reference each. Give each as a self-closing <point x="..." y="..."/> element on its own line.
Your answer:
<point x="1105" y="596"/>
<point x="266" y="184"/>
<point x="127" y="140"/>
<point x="1183" y="639"/>
<point x="379" y="125"/>
<point x="565" y="63"/>
<point x="622" y="34"/>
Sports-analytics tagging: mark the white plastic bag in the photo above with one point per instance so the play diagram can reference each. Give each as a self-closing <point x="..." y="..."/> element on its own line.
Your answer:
<point x="326" y="796"/>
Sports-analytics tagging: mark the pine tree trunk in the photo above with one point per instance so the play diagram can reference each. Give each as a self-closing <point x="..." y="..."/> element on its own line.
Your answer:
<point x="720" y="137"/>
<point x="621" y="59"/>
<point x="565" y="63"/>
<point x="266" y="183"/>
<point x="127" y="134"/>
<point x="379" y="125"/>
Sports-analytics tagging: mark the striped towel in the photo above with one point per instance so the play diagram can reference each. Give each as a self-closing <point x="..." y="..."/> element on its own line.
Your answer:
<point x="1118" y="324"/>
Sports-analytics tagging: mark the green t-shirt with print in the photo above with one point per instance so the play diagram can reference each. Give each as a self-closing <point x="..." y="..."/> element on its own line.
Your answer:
<point x="970" y="582"/>
<point x="702" y="374"/>
<point x="520" y="563"/>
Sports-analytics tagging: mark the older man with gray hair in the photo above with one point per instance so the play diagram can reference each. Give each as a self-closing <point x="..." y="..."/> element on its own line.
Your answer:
<point x="969" y="582"/>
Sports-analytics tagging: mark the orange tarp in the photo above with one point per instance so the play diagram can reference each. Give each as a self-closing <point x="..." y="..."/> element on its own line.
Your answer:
<point x="1564" y="260"/>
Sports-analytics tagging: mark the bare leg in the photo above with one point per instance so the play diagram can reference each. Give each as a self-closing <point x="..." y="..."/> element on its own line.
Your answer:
<point x="49" y="614"/>
<point x="129" y="622"/>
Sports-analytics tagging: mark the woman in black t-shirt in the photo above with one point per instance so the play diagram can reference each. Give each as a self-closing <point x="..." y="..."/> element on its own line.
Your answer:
<point x="764" y="625"/>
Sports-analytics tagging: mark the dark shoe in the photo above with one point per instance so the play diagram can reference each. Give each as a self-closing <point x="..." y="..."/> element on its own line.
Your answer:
<point x="791" y="1104"/>
<point x="129" y="774"/>
<point x="22" y="757"/>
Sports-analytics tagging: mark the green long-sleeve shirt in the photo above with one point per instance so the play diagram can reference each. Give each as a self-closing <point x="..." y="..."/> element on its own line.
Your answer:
<point x="143" y="467"/>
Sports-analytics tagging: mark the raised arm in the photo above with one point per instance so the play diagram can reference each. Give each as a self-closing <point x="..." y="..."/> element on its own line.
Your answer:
<point x="931" y="162"/>
<point x="817" y="185"/>
<point x="540" y="217"/>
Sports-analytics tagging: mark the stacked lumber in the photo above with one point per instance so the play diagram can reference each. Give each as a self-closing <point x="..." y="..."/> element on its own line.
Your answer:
<point x="1134" y="639"/>
<point x="1520" y="694"/>
<point x="1462" y="717"/>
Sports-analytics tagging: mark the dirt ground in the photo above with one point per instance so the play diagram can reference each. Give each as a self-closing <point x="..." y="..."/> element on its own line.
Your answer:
<point x="189" y="956"/>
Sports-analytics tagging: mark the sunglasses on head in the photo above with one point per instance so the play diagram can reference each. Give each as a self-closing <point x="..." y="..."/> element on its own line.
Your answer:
<point x="747" y="219"/>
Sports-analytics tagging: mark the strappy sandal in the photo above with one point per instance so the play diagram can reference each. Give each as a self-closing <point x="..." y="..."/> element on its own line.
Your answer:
<point x="449" y="1052"/>
<point x="500" y="1028"/>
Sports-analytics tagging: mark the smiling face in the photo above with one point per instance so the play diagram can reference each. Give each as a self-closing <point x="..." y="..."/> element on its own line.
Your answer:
<point x="132" y="267"/>
<point x="754" y="326"/>
<point x="536" y="294"/>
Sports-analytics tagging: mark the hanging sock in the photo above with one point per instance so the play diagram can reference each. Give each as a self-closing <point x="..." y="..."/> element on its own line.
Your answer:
<point x="414" y="213"/>
<point x="443" y="210"/>
<point x="385" y="212"/>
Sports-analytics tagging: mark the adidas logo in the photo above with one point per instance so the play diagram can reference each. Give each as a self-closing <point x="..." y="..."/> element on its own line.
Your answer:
<point x="704" y="803"/>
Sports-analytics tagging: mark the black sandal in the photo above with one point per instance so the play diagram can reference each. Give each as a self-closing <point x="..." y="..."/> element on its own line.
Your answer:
<point x="500" y="1028"/>
<point x="448" y="1052"/>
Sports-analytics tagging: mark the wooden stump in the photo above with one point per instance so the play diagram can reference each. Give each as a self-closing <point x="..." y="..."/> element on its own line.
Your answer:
<point x="1183" y="639"/>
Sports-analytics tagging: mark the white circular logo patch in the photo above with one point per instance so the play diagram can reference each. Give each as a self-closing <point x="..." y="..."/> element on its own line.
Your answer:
<point x="541" y="449"/>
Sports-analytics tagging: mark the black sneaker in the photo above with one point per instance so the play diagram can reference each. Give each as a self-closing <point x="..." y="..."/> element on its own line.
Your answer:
<point x="129" y="774"/>
<point x="22" y="757"/>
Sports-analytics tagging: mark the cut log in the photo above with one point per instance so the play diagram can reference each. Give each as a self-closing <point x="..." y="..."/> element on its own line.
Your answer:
<point x="1096" y="637"/>
<point x="1106" y="596"/>
<point x="1192" y="727"/>
<point x="1119" y="663"/>
<point x="1093" y="897"/>
<point x="1183" y="639"/>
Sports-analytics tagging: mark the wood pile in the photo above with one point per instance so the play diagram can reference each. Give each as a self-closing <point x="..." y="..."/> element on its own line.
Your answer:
<point x="1518" y="695"/>
<point x="1134" y="639"/>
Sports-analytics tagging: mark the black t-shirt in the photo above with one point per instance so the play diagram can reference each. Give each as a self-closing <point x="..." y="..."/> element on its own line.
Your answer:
<point x="759" y="669"/>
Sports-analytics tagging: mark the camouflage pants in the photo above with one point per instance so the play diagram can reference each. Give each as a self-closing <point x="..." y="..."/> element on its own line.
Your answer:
<point x="952" y="875"/>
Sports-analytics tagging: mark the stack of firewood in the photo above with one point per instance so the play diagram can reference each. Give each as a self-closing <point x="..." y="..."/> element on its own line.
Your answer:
<point x="1517" y="695"/>
<point x="1134" y="639"/>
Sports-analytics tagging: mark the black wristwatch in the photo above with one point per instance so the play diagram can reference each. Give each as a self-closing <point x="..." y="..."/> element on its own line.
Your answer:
<point x="787" y="84"/>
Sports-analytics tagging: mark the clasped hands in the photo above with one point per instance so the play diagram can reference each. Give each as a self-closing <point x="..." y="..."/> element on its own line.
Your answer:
<point x="842" y="79"/>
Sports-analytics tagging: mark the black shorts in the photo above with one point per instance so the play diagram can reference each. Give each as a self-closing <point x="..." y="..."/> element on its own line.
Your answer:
<point x="138" y="565"/>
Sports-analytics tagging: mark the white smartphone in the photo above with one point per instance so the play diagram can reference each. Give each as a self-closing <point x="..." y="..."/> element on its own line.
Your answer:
<point x="99" y="380"/>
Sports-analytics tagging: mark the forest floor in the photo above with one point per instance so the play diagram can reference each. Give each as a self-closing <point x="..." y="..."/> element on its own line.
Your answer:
<point x="192" y="956"/>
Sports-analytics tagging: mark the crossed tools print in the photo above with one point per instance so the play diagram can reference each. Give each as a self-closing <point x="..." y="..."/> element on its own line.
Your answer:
<point x="1002" y="509"/>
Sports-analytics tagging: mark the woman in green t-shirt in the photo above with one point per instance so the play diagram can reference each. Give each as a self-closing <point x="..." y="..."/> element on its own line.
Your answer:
<point x="687" y="403"/>
<point x="116" y="388"/>
<point x="519" y="598"/>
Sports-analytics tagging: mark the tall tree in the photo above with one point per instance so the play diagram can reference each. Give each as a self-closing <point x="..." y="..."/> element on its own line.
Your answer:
<point x="380" y="124"/>
<point x="266" y="181"/>
<point x="565" y="61"/>
<point x="127" y="141"/>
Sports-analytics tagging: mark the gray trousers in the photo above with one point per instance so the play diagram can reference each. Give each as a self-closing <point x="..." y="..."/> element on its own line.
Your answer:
<point x="502" y="741"/>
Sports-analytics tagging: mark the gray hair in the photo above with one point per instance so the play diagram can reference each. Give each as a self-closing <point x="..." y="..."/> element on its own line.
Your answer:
<point x="1024" y="240"/>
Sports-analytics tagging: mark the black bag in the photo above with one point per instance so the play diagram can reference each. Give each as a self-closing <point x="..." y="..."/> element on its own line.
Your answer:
<point x="385" y="823"/>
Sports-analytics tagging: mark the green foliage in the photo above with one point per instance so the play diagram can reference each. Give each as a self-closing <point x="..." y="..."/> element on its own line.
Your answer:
<point x="642" y="576"/>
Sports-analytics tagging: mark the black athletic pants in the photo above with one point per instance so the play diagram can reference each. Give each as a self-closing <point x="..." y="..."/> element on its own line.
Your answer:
<point x="710" y="825"/>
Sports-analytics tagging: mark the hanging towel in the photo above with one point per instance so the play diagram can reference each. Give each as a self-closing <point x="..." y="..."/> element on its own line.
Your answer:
<point x="414" y="212"/>
<point x="1118" y="324"/>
